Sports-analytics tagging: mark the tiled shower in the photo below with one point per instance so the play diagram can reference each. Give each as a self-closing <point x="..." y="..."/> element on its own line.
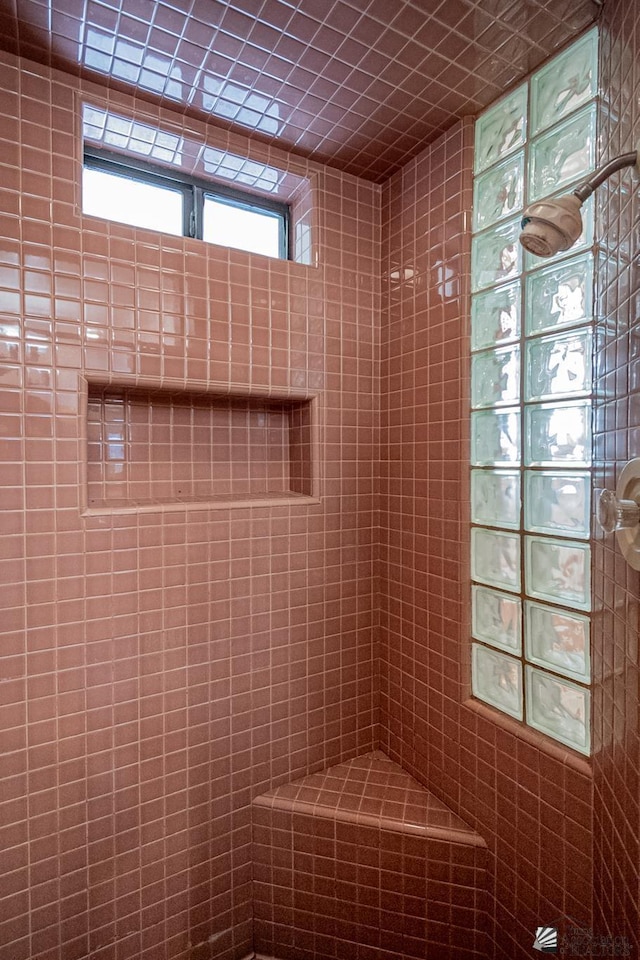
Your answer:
<point x="168" y="660"/>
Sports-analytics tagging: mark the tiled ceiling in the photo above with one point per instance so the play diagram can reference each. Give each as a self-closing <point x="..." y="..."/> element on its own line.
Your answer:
<point x="360" y="84"/>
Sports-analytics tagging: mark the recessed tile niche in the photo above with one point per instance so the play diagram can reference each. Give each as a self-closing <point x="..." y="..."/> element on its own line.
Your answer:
<point x="153" y="448"/>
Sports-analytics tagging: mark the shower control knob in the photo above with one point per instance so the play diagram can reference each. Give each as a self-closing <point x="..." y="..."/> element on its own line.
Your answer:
<point x="615" y="514"/>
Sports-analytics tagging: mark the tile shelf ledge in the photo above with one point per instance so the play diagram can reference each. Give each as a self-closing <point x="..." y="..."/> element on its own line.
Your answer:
<point x="372" y="790"/>
<point x="123" y="506"/>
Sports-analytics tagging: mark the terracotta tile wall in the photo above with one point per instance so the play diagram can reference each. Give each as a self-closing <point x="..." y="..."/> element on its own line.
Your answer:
<point x="160" y="669"/>
<point x="531" y="803"/>
<point x="617" y="427"/>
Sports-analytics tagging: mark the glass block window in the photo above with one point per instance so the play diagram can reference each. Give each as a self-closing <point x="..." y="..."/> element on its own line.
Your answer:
<point x="531" y="382"/>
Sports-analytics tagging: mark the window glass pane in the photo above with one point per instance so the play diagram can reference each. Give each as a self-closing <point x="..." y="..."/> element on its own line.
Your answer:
<point x="496" y="619"/>
<point x="496" y="255"/>
<point x="558" y="503"/>
<point x="557" y="640"/>
<point x="495" y="316"/>
<point x="498" y="192"/>
<point x="495" y="438"/>
<point x="562" y="155"/>
<point x="559" y="295"/>
<point x="131" y="201"/>
<point x="558" y="434"/>
<point x="558" y="708"/>
<point x="495" y="498"/>
<point x="558" y="366"/>
<point x="558" y="570"/>
<point x="495" y="377"/>
<point x="256" y="231"/>
<point x="497" y="679"/>
<point x="565" y="84"/>
<point x="495" y="558"/>
<point x="501" y="129"/>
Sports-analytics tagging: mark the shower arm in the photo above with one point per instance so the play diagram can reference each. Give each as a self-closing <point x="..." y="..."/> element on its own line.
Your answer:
<point x="618" y="163"/>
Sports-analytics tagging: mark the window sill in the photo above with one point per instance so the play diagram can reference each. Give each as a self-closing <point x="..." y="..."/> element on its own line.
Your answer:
<point x="552" y="748"/>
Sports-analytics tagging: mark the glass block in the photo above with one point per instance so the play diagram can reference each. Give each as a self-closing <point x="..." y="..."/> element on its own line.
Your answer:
<point x="559" y="708"/>
<point x="495" y="558"/>
<point x="498" y="192"/>
<point x="496" y="255"/>
<point x="495" y="438"/>
<point x="559" y="571"/>
<point x="496" y="619"/>
<point x="564" y="154"/>
<point x="560" y="295"/>
<point x="495" y="377"/>
<point x="565" y="84"/>
<point x="501" y="129"/>
<point x="558" y="366"/>
<point x="558" y="640"/>
<point x="497" y="679"/>
<point x="495" y="498"/>
<point x="558" y="433"/>
<point x="531" y="262"/>
<point x="495" y="316"/>
<point x="558" y="503"/>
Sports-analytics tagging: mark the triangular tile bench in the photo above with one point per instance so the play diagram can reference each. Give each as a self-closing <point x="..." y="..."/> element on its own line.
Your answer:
<point x="360" y="862"/>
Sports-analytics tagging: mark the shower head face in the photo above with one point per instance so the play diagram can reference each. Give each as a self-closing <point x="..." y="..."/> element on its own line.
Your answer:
<point x="551" y="226"/>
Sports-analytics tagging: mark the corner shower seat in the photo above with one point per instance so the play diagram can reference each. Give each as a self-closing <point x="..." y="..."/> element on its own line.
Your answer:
<point x="361" y="861"/>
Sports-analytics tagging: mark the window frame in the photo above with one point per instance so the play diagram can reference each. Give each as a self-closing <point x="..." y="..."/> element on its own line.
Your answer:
<point x="194" y="191"/>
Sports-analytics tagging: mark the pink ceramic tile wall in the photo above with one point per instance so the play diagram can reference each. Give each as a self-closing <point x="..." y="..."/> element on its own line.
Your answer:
<point x="532" y="805"/>
<point x="160" y="669"/>
<point x="617" y="427"/>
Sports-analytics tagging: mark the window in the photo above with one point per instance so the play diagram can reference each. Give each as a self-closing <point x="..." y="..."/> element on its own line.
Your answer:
<point x="227" y="222"/>
<point x="531" y="343"/>
<point x="141" y="195"/>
